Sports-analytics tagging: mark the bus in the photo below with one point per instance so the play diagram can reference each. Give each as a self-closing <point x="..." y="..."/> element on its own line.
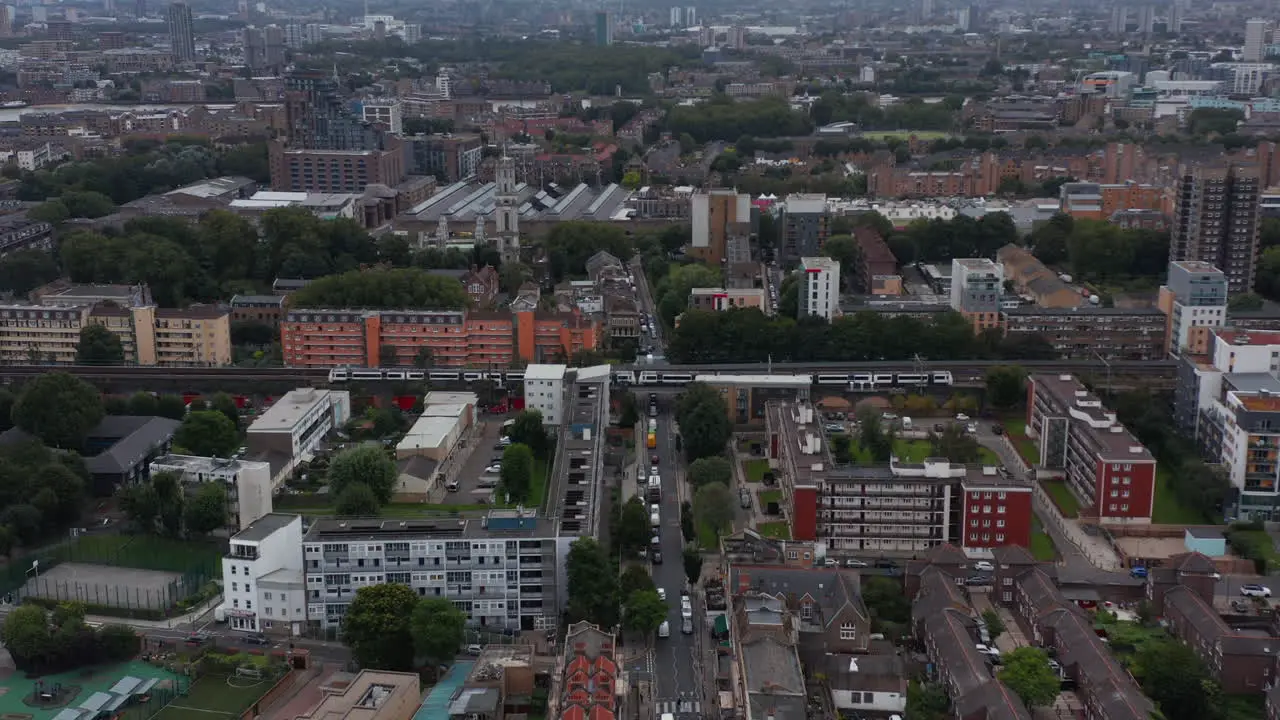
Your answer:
<point x="653" y="440"/>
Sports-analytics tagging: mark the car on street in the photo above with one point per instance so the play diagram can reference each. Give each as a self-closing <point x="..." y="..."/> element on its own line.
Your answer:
<point x="256" y="638"/>
<point x="657" y="557"/>
<point x="493" y="469"/>
<point x="662" y="594"/>
<point x="831" y="562"/>
<point x="855" y="563"/>
<point x="686" y="607"/>
<point x="686" y="627"/>
<point x="833" y="428"/>
<point x="971" y="428"/>
<point x="997" y="429"/>
<point x="653" y="460"/>
<point x="664" y="630"/>
<point x="978" y="581"/>
<point x="961" y="417"/>
<point x="474" y="649"/>
<point x="984" y="566"/>
<point x="1255" y="591"/>
<point x="198" y="638"/>
<point x="1137" y="571"/>
<point x="990" y="651"/>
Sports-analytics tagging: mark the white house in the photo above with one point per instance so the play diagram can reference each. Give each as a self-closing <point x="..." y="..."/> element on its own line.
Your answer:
<point x="544" y="391"/>
<point x="262" y="578"/>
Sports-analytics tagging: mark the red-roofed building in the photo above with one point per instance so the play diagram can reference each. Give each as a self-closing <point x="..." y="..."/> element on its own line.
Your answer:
<point x="588" y="686"/>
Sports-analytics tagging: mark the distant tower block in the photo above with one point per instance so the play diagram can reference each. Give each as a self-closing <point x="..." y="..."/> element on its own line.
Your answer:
<point x="507" y="211"/>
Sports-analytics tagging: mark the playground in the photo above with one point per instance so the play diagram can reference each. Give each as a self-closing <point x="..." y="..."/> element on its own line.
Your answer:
<point x="44" y="698"/>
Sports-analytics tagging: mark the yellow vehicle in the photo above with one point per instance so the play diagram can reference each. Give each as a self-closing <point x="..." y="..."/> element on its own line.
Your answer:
<point x="653" y="440"/>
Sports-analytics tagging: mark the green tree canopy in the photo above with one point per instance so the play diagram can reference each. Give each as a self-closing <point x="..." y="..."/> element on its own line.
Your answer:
<point x="207" y="433"/>
<point x="706" y="470"/>
<point x="407" y="288"/>
<point x="713" y="507"/>
<point x="366" y="464"/>
<point x="58" y="408"/>
<point x="207" y="511"/>
<point x="704" y="421"/>
<point x="1027" y="673"/>
<point x="633" y="531"/>
<point x="1006" y="385"/>
<point x="517" y="472"/>
<point x="527" y="429"/>
<point x="438" y="628"/>
<point x="356" y="499"/>
<point x="644" y="611"/>
<point x="378" y="627"/>
<point x="593" y="584"/>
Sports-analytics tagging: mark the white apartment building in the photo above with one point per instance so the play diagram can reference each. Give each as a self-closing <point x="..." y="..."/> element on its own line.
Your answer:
<point x="262" y="578"/>
<point x="1195" y="300"/>
<point x="544" y="391"/>
<point x="387" y="111"/>
<point x="293" y="428"/>
<point x="501" y="570"/>
<point x="1255" y="40"/>
<point x="819" y="287"/>
<point x="248" y="483"/>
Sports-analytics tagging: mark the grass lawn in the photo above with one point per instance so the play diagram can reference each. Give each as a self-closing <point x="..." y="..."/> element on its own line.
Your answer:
<point x="1063" y="498"/>
<point x="707" y="539"/>
<point x="1016" y="429"/>
<point x="777" y="530"/>
<point x="769" y="496"/>
<point x="1167" y="510"/>
<point x="538" y="485"/>
<point x="754" y="470"/>
<point x="1041" y="544"/>
<point x="915" y="451"/>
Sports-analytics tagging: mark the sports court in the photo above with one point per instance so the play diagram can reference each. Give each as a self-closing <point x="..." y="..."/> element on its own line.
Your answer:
<point x="105" y="585"/>
<point x="218" y="697"/>
<point x="16" y="690"/>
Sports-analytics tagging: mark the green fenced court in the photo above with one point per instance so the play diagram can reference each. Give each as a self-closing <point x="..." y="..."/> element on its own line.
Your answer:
<point x="217" y="697"/>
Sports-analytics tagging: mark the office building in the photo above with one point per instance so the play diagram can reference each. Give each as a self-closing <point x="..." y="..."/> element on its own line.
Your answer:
<point x="318" y="117"/>
<point x="248" y="483"/>
<point x="291" y="430"/>
<point x="388" y="112"/>
<point x="1216" y="221"/>
<point x="1194" y="301"/>
<point x="480" y="339"/>
<point x="503" y="570"/>
<point x="604" y="29"/>
<point x="976" y="287"/>
<point x="899" y="508"/>
<point x="806" y="225"/>
<point x="1104" y="465"/>
<point x="544" y="391"/>
<point x="676" y="17"/>
<point x="262" y="579"/>
<point x="819" y="287"/>
<point x="720" y="218"/>
<point x="182" y="37"/>
<point x="1255" y="41"/>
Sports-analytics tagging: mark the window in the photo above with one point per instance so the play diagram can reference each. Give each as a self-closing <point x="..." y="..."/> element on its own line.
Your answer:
<point x="806" y="611"/>
<point x="999" y="537"/>
<point x="266" y="596"/>
<point x="1000" y="509"/>
<point x="848" y="631"/>
<point x="235" y="587"/>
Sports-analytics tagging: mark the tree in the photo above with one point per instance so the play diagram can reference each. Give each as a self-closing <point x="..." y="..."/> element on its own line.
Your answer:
<point x="1006" y="385"/>
<point x="26" y="634"/>
<point x="873" y="436"/>
<point x="593" y="584"/>
<point x="1027" y="673"/>
<point x="208" y="509"/>
<point x="171" y="406"/>
<point x="628" y="410"/>
<point x="388" y="356"/>
<point x="25" y="270"/>
<point x="58" y="408"/>
<point x="516" y="472"/>
<point x="423" y="358"/>
<point x="366" y="464"/>
<point x="1176" y="678"/>
<point x="528" y="430"/>
<point x="692" y="564"/>
<point x="704" y="421"/>
<point x="634" y="577"/>
<point x="143" y="404"/>
<point x="357" y="499"/>
<point x="888" y="606"/>
<point x="995" y="626"/>
<point x="68" y="490"/>
<point x="438" y="628"/>
<point x="713" y="507"/>
<point x="408" y="288"/>
<point x="843" y="249"/>
<point x="99" y="346"/>
<point x="926" y="701"/>
<point x="226" y="405"/>
<point x="207" y="433"/>
<point x="707" y="470"/>
<point x="633" y="531"/>
<point x="687" y="529"/>
<point x="954" y="444"/>
<point x="377" y="627"/>
<point x="7" y="399"/>
<point x="644" y="611"/>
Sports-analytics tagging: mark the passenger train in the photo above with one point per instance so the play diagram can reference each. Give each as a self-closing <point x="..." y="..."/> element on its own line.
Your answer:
<point x="657" y="378"/>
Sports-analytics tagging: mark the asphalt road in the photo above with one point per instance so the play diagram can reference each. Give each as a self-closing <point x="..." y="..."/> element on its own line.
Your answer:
<point x="648" y="306"/>
<point x="679" y="681"/>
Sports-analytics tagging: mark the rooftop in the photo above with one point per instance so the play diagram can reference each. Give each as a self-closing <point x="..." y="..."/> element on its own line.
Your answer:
<point x="1253" y="338"/>
<point x="264" y="526"/>
<point x="214" y="466"/>
<point x="1113" y="441"/>
<point x="372" y="695"/>
<point x="288" y="410"/>
<point x="545" y="372"/>
<point x="579" y="465"/>
<point x="523" y="523"/>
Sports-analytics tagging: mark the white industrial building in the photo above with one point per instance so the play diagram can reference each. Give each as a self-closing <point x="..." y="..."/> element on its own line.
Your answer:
<point x="262" y="577"/>
<point x="435" y="433"/>
<point x="291" y="430"/>
<point x="544" y="391"/>
<point x="249" y="484"/>
<point x="819" y="287"/>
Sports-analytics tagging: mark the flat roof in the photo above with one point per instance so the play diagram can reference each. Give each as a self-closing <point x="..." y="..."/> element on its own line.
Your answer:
<point x="290" y="408"/>
<point x="259" y="529"/>
<point x="545" y="372"/>
<point x="428" y="432"/>
<point x="1113" y="441"/>
<point x="444" y="397"/>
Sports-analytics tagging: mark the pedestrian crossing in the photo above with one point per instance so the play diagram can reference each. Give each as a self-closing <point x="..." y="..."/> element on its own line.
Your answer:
<point x="678" y="707"/>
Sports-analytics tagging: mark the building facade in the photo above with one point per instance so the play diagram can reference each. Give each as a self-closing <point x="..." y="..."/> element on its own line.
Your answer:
<point x="544" y="391"/>
<point x="976" y="287"/>
<point x="267" y="552"/>
<point x="195" y="337"/>
<point x="806" y="225"/>
<point x="1112" y="473"/>
<point x="717" y="217"/>
<point x="1194" y="301"/>
<point x="819" y="287"/>
<point x="297" y="423"/>
<point x="1216" y="220"/>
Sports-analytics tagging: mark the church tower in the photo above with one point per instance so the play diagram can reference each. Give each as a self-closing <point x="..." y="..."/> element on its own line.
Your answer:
<point x="507" y="211"/>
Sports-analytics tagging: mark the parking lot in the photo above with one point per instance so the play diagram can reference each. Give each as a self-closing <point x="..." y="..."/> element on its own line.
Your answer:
<point x="482" y="454"/>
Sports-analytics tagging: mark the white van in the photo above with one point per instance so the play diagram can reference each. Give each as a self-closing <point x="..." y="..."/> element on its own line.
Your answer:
<point x="654" y="519"/>
<point x="664" y="630"/>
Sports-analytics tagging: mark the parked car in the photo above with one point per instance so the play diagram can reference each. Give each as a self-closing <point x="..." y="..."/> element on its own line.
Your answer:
<point x="1255" y="591"/>
<point x="991" y="652"/>
<point x="831" y="562"/>
<point x="662" y="594"/>
<point x="686" y="627"/>
<point x="855" y="563"/>
<point x="686" y="607"/>
<point x="833" y="428"/>
<point x="961" y="417"/>
<point x="1138" y="572"/>
<point x="978" y="580"/>
<point x="657" y="557"/>
<point x="198" y="638"/>
<point x="493" y="469"/>
<point x="474" y="649"/>
<point x="256" y="639"/>
<point x="997" y="429"/>
<point x="664" y="630"/>
<point x="984" y="566"/>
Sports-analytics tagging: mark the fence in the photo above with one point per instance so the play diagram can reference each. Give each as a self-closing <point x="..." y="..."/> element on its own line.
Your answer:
<point x="141" y="576"/>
